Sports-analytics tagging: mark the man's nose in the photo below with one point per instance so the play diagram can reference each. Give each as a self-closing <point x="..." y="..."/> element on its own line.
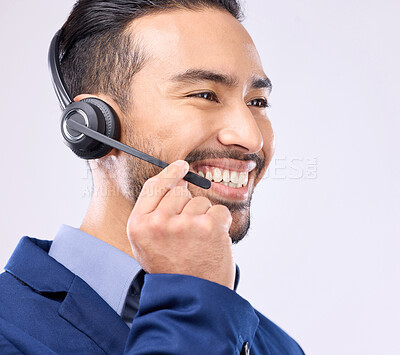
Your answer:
<point x="240" y="128"/>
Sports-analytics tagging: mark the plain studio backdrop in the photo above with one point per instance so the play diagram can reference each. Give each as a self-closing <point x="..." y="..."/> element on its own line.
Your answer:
<point x="322" y="255"/>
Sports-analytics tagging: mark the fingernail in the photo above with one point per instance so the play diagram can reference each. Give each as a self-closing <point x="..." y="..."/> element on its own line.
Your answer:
<point x="180" y="162"/>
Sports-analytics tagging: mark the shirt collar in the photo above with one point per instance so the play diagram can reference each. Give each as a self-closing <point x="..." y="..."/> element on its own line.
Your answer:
<point x="106" y="269"/>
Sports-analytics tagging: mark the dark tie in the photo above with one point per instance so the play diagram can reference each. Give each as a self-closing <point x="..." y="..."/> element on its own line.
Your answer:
<point x="132" y="299"/>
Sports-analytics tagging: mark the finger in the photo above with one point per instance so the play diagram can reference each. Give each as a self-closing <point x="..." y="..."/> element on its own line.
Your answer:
<point x="156" y="187"/>
<point x="222" y="214"/>
<point x="197" y="205"/>
<point x="174" y="201"/>
<point x="182" y="183"/>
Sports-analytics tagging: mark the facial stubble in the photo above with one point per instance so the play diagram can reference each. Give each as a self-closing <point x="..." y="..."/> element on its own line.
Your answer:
<point x="136" y="172"/>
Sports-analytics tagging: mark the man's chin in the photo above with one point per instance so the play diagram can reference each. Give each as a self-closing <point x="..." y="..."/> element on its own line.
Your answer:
<point x="239" y="232"/>
<point x="240" y="225"/>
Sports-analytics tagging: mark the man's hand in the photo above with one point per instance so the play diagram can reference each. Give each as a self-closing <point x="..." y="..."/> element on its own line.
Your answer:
<point x="173" y="233"/>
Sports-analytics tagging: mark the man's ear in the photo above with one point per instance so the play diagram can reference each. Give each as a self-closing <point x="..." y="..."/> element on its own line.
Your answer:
<point x="84" y="96"/>
<point x="108" y="100"/>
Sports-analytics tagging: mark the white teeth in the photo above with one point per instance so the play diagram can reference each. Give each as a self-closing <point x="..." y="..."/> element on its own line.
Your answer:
<point x="217" y="175"/>
<point x="226" y="176"/>
<point x="242" y="178"/>
<point x="230" y="178"/>
<point x="234" y="177"/>
<point x="246" y="180"/>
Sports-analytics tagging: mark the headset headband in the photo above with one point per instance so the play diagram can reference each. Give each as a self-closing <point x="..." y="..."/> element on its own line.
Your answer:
<point x="56" y="78"/>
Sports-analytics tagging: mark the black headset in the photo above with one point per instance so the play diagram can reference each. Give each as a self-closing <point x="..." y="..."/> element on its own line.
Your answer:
<point x="91" y="127"/>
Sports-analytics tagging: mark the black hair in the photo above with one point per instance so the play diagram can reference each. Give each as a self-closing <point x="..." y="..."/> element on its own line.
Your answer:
<point x="98" y="55"/>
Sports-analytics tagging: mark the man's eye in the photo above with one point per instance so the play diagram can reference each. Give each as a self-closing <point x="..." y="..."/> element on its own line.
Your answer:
<point x="258" y="103"/>
<point x="205" y="95"/>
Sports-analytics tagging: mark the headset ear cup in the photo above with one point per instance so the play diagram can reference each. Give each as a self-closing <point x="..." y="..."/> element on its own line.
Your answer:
<point x="111" y="125"/>
<point x="104" y="120"/>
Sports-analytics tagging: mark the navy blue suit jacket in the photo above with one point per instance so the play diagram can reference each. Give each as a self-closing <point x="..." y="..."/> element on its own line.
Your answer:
<point x="46" y="309"/>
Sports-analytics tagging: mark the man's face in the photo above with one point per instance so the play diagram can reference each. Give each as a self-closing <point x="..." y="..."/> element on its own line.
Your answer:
<point x="199" y="98"/>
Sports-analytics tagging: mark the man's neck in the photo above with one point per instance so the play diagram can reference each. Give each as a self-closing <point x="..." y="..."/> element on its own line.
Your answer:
<point x="107" y="218"/>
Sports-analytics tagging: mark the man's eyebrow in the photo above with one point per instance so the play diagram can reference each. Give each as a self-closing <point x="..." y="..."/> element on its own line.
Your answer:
<point x="196" y="75"/>
<point x="261" y="83"/>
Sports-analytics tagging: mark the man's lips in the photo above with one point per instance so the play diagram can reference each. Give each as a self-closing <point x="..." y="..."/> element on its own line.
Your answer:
<point x="231" y="193"/>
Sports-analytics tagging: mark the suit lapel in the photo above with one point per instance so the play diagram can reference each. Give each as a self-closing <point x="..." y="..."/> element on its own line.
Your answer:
<point x="88" y="312"/>
<point x="82" y="307"/>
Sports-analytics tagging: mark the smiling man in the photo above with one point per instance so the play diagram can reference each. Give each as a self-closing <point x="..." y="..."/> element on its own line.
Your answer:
<point x="151" y="270"/>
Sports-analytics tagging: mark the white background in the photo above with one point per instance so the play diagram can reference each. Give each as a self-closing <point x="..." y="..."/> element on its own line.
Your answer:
<point x="322" y="257"/>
